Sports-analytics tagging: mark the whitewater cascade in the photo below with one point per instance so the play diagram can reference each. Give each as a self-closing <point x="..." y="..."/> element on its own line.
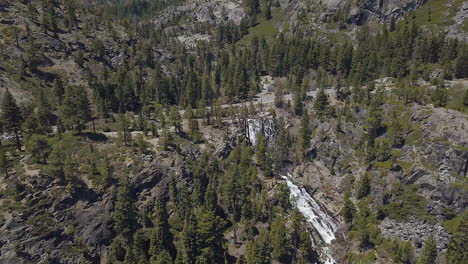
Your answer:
<point x="322" y="222"/>
<point x="265" y="126"/>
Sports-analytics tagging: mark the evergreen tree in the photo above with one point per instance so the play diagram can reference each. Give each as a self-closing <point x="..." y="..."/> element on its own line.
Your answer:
<point x="278" y="236"/>
<point x="39" y="148"/>
<point x="125" y="136"/>
<point x="266" y="9"/>
<point x="364" y="186"/>
<point x="456" y="252"/>
<point x="189" y="240"/>
<point x="348" y="210"/>
<point x="461" y="64"/>
<point x="440" y="97"/>
<point x="44" y="114"/>
<point x="465" y="98"/>
<point x="429" y="252"/>
<point x="139" y="246"/>
<point x="210" y="229"/>
<point x="298" y="106"/>
<point x="321" y="104"/>
<point x="5" y="163"/>
<point x="124" y="213"/>
<point x="304" y="134"/>
<point x="160" y="235"/>
<point x="175" y="119"/>
<point x="11" y="117"/>
<point x="75" y="109"/>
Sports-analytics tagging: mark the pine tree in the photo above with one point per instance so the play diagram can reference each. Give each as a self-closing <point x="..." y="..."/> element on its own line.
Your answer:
<point x="465" y="98"/>
<point x="166" y="139"/>
<point x="266" y="9"/>
<point x="210" y="229"/>
<point x="175" y="119"/>
<point x="298" y="106"/>
<point x="321" y="104"/>
<point x="461" y="64"/>
<point x="44" y="113"/>
<point x="139" y="246"/>
<point x="456" y="252"/>
<point x="59" y="90"/>
<point x="429" y="252"/>
<point x="304" y="134"/>
<point x="348" y="210"/>
<point x="39" y="148"/>
<point x="440" y="97"/>
<point x="364" y="186"/>
<point x="278" y="236"/>
<point x="75" y="109"/>
<point x="5" y="163"/>
<point x="124" y="213"/>
<point x="125" y="136"/>
<point x="160" y="235"/>
<point x="11" y="117"/>
<point x="190" y="240"/>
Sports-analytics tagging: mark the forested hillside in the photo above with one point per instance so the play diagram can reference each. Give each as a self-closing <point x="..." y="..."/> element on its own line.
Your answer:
<point x="219" y="131"/>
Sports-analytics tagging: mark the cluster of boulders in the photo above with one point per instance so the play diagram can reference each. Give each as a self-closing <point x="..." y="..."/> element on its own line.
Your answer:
<point x="416" y="232"/>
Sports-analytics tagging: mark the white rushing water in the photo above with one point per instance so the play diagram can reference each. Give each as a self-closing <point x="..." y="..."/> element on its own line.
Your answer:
<point x="315" y="215"/>
<point x="265" y="126"/>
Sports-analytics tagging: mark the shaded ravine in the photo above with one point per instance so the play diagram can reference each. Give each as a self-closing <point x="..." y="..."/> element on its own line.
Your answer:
<point x="314" y="214"/>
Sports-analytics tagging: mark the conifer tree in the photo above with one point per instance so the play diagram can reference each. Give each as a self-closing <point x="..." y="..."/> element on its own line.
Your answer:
<point x="321" y="104"/>
<point x="364" y="186"/>
<point x="160" y="235"/>
<point x="39" y="148"/>
<point x="278" y="236"/>
<point x="266" y="9"/>
<point x="5" y="163"/>
<point x="210" y="229"/>
<point x="75" y="109"/>
<point x="348" y="210"/>
<point x="456" y="252"/>
<point x="11" y="117"/>
<point x="440" y="97"/>
<point x="125" y="212"/>
<point x="304" y="134"/>
<point x="175" y="119"/>
<point x="429" y="251"/>
<point x="298" y="106"/>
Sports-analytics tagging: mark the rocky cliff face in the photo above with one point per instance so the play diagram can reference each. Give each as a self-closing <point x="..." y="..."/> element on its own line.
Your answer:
<point x="436" y="164"/>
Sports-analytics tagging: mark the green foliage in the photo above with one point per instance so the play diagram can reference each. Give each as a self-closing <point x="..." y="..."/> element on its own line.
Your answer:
<point x="62" y="159"/>
<point x="429" y="252"/>
<point x="75" y="110"/>
<point x="456" y="252"/>
<point x="321" y="104"/>
<point x="259" y="250"/>
<point x="39" y="148"/>
<point x="141" y="143"/>
<point x="439" y="97"/>
<point x="283" y="195"/>
<point x="210" y="229"/>
<point x="5" y="163"/>
<point x="11" y="116"/>
<point x="349" y="210"/>
<point x="262" y="156"/>
<point x="124" y="213"/>
<point x="278" y="237"/>
<point x="161" y="238"/>
<point x="406" y="202"/>
<point x="175" y="119"/>
<point x="304" y="135"/>
<point x="364" y="186"/>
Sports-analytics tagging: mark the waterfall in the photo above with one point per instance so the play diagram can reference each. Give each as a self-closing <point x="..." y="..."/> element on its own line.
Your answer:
<point x="266" y="126"/>
<point x="314" y="214"/>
